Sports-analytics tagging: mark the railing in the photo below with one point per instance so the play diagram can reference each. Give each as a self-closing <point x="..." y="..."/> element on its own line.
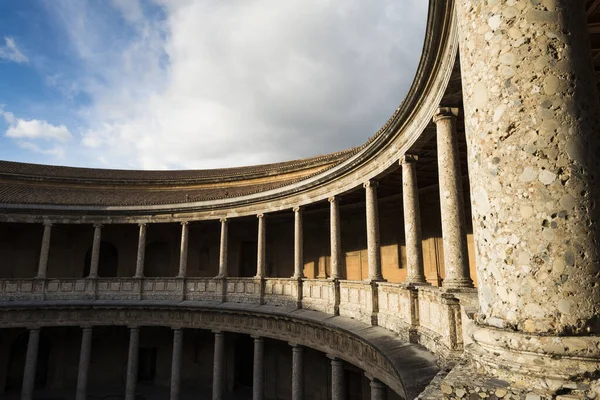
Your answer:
<point x="420" y="314"/>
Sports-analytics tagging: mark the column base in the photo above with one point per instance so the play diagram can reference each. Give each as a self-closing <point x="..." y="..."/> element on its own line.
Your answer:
<point x="527" y="360"/>
<point x="461" y="283"/>
<point x="416" y="281"/>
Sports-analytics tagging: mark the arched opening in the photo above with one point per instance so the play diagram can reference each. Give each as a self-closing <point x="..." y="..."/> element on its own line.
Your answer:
<point x="16" y="363"/>
<point x="158" y="260"/>
<point x="108" y="263"/>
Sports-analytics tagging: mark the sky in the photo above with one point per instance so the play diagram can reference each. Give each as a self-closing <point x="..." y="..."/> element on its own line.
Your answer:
<point x="186" y="84"/>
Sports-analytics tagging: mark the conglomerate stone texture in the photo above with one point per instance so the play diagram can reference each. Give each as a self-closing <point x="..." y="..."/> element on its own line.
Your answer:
<point x="531" y="115"/>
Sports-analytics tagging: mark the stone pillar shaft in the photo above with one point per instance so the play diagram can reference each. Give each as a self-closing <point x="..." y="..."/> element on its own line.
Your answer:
<point x="297" y="372"/>
<point x="335" y="238"/>
<point x="45" y="250"/>
<point x="84" y="363"/>
<point x="95" y="259"/>
<point x="176" y="363"/>
<point x="373" y="249"/>
<point x="223" y="249"/>
<point x="141" y="252"/>
<point x="258" y="379"/>
<point x="132" y="363"/>
<point x="183" y="252"/>
<point x="219" y="367"/>
<point x="378" y="390"/>
<point x="261" y="262"/>
<point x="456" y="258"/>
<point x="338" y="382"/>
<point x="30" y="364"/>
<point x="412" y="222"/>
<point x="298" y="244"/>
<point x="531" y="120"/>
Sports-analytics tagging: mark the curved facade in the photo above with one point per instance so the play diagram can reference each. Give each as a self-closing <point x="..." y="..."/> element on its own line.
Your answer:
<point x="347" y="276"/>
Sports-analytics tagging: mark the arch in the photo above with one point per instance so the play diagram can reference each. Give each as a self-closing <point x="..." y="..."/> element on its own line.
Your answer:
<point x="158" y="260"/>
<point x="16" y="362"/>
<point x="108" y="263"/>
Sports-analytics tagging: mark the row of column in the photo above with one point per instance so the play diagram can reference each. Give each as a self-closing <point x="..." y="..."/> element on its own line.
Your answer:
<point x="338" y="385"/>
<point x="452" y="218"/>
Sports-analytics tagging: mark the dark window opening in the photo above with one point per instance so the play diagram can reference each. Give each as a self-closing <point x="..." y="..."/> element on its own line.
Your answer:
<point x="248" y="259"/>
<point x="108" y="262"/>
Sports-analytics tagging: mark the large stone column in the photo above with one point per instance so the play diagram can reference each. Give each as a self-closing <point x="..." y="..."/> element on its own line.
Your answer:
<point x="378" y="390"/>
<point x="261" y="262"/>
<point x="335" y="238"/>
<point x="132" y="362"/>
<point x="218" y="366"/>
<point x="223" y="249"/>
<point x="176" y="363"/>
<point x="456" y="257"/>
<point x="183" y="251"/>
<point x="298" y="244"/>
<point x="338" y="382"/>
<point x="258" y="378"/>
<point x="95" y="259"/>
<point x="531" y="115"/>
<point x="141" y="252"/>
<point x="412" y="221"/>
<point x="297" y="372"/>
<point x="373" y="250"/>
<point x="30" y="364"/>
<point x="84" y="363"/>
<point x="45" y="250"/>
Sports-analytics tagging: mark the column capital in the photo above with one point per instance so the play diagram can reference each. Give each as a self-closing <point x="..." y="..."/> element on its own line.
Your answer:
<point x="445" y="113"/>
<point x="257" y="338"/>
<point x="87" y="327"/>
<point x="371" y="183"/>
<point x="217" y="332"/>
<point x="133" y="327"/>
<point x="260" y="216"/>
<point x="184" y="223"/>
<point x="47" y="223"/>
<point x="223" y="220"/>
<point x="142" y="224"/>
<point x="177" y="329"/>
<point x="97" y="226"/>
<point x="297" y="209"/>
<point x="333" y="199"/>
<point x="409" y="159"/>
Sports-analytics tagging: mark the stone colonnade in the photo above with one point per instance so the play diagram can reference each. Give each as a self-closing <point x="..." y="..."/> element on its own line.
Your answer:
<point x="452" y="212"/>
<point x="338" y="385"/>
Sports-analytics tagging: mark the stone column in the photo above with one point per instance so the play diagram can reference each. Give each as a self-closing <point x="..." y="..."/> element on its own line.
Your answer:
<point x="297" y="372"/>
<point x="132" y="363"/>
<point x="335" y="238"/>
<point x="176" y="363"/>
<point x="223" y="249"/>
<point x="84" y="363"/>
<point x="30" y="364"/>
<point x="456" y="259"/>
<point x="183" y="252"/>
<point x="258" y="381"/>
<point x="43" y="264"/>
<point x="531" y="115"/>
<point x="338" y="382"/>
<point x="412" y="221"/>
<point x="298" y="244"/>
<point x="141" y="252"/>
<point x="95" y="251"/>
<point x="261" y="262"/>
<point x="378" y="390"/>
<point x="218" y="366"/>
<point x="373" y="250"/>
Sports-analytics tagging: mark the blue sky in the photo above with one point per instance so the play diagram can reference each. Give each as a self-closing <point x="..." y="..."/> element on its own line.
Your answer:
<point x="160" y="84"/>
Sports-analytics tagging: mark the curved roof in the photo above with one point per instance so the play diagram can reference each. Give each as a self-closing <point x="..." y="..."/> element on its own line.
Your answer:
<point x="61" y="191"/>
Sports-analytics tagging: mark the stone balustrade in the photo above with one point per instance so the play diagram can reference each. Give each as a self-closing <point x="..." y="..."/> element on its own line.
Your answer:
<point x="420" y="314"/>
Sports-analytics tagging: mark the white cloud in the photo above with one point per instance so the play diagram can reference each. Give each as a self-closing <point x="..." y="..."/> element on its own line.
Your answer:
<point x="54" y="151"/>
<point x="35" y="129"/>
<point x="204" y="84"/>
<point x="11" y="52"/>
